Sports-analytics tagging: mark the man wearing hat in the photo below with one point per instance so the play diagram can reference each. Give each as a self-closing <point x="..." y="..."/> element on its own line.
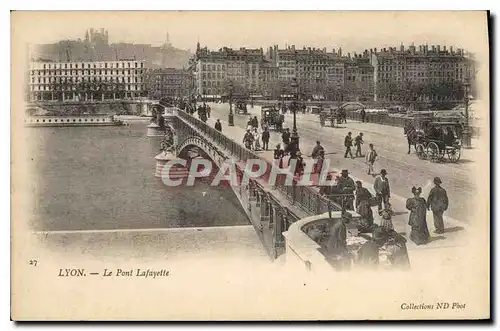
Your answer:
<point x="347" y="186"/>
<point x="382" y="189"/>
<point x="438" y="203"/>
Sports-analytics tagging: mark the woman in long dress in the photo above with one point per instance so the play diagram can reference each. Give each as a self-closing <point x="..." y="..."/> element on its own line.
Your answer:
<point x="418" y="211"/>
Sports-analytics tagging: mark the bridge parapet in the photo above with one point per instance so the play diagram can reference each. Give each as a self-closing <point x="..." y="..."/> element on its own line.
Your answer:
<point x="303" y="197"/>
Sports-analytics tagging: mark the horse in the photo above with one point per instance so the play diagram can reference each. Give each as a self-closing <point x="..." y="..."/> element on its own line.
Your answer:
<point x="413" y="136"/>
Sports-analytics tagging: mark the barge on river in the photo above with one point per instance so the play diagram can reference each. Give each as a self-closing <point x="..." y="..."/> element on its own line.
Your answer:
<point x="72" y="120"/>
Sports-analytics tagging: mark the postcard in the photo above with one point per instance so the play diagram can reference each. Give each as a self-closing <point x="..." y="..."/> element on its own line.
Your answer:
<point x="250" y="165"/>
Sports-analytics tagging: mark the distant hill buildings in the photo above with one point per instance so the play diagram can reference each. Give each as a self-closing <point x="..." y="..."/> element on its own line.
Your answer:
<point x="96" y="47"/>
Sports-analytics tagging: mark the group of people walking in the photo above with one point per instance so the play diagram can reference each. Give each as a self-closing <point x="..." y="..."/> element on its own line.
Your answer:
<point x="254" y="136"/>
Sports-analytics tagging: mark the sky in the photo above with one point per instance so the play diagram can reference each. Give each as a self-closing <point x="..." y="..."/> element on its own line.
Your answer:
<point x="353" y="31"/>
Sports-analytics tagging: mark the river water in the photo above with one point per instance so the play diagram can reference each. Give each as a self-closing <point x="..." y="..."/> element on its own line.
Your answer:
<point x="101" y="178"/>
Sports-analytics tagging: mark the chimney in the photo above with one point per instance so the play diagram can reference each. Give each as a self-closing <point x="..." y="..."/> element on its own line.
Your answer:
<point x="340" y="51"/>
<point x="439" y="48"/>
<point x="309" y="49"/>
<point x="324" y="49"/>
<point x="293" y="47"/>
<point x="444" y="49"/>
<point x="333" y="51"/>
<point x="349" y="55"/>
<point x="402" y="48"/>
<point x="375" y="50"/>
<point x="451" y="50"/>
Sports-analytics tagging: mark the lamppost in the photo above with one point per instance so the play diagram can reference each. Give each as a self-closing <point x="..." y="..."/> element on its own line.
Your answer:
<point x="230" y="118"/>
<point x="294" y="139"/>
<point x="466" y="134"/>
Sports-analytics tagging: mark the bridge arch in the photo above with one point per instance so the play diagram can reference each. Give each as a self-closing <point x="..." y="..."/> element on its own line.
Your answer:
<point x="206" y="147"/>
<point x="352" y="103"/>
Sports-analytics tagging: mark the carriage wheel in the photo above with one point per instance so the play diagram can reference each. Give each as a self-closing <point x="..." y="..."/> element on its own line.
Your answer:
<point x="419" y="148"/>
<point x="454" y="154"/>
<point x="433" y="152"/>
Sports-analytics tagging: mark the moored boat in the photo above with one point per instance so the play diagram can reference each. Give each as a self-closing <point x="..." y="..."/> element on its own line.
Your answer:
<point x="72" y="120"/>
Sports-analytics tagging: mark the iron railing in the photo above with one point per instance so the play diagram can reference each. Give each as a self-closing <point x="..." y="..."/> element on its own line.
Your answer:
<point x="305" y="198"/>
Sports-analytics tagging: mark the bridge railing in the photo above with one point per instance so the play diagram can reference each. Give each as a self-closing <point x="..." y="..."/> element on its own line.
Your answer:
<point x="303" y="197"/>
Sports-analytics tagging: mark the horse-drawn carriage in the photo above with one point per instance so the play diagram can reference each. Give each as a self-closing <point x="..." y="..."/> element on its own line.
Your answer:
<point x="240" y="107"/>
<point x="332" y="115"/>
<point x="435" y="138"/>
<point x="327" y="115"/>
<point x="270" y="116"/>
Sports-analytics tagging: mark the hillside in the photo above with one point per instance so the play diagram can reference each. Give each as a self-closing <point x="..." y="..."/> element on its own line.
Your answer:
<point x="165" y="56"/>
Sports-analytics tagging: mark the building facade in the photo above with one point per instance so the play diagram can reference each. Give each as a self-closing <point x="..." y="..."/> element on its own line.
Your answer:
<point x="86" y="81"/>
<point x="169" y="83"/>
<point x="426" y="73"/>
<point x="423" y="73"/>
<point x="246" y="70"/>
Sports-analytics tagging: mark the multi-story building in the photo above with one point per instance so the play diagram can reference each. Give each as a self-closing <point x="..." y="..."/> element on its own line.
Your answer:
<point x="245" y="68"/>
<point x="168" y="83"/>
<point x="86" y="81"/>
<point x="421" y="70"/>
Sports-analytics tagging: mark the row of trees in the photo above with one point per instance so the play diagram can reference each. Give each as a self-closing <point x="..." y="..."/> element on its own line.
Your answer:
<point x="406" y="93"/>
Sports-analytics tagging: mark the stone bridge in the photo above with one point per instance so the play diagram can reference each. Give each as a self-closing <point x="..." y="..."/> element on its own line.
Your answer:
<point x="271" y="208"/>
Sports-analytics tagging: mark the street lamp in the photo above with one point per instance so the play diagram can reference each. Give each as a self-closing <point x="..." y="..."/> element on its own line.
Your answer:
<point x="294" y="139"/>
<point x="230" y="118"/>
<point x="466" y="134"/>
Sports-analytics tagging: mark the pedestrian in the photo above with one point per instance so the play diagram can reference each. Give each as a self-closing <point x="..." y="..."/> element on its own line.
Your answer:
<point x="364" y="207"/>
<point x="418" y="210"/>
<point x="248" y="140"/>
<point x="386" y="216"/>
<point x="299" y="165"/>
<point x="437" y="201"/>
<point x="348" y="145"/>
<point x="363" y="115"/>
<point x="368" y="253"/>
<point x="371" y="156"/>
<point x="316" y="149"/>
<point x="255" y="122"/>
<point x="325" y="190"/>
<point x="256" y="138"/>
<point x="249" y="123"/>
<point x="318" y="166"/>
<point x="218" y="125"/>
<point x="285" y="137"/>
<point x="382" y="189"/>
<point x="358" y="141"/>
<point x="265" y="139"/>
<point x="347" y="187"/>
<point x="278" y="155"/>
<point x="336" y="246"/>
<point x="396" y="246"/>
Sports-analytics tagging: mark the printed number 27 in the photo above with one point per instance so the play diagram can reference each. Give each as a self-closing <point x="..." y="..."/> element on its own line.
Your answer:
<point x="33" y="262"/>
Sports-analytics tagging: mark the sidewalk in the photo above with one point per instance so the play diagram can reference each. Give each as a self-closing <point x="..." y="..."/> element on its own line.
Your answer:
<point x="455" y="232"/>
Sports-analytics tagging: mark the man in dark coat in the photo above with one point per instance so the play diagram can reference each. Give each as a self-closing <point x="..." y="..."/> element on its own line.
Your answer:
<point x="265" y="139"/>
<point x="348" y="145"/>
<point x="438" y="203"/>
<point x="285" y="136"/>
<point x="218" y="126"/>
<point x="255" y="122"/>
<point x="346" y="186"/>
<point x="358" y="141"/>
<point x="363" y="115"/>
